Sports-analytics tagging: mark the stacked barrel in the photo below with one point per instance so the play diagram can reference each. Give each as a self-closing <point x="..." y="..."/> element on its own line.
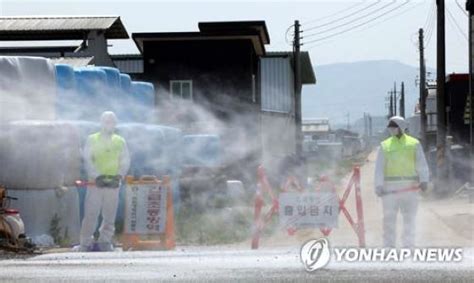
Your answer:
<point x="46" y="113"/>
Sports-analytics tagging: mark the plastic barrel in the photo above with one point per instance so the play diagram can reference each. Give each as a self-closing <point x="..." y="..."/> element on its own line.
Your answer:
<point x="92" y="83"/>
<point x="42" y="210"/>
<point x="39" y="154"/>
<point x="27" y="88"/>
<point x="124" y="99"/>
<point x="67" y="103"/>
<point x="201" y="150"/>
<point x="110" y="96"/>
<point x="143" y="96"/>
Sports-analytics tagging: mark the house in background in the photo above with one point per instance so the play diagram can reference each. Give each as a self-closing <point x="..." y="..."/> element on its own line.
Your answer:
<point x="316" y="129"/>
<point x="220" y="79"/>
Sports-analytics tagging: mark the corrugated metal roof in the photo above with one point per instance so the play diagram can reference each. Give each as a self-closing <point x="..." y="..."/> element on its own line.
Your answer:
<point x="59" y="27"/>
<point x="74" y="61"/>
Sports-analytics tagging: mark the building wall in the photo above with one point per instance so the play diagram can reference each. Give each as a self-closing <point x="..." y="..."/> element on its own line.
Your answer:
<point x="218" y="69"/>
<point x="226" y="99"/>
<point x="277" y="84"/>
<point x="278" y="120"/>
<point x="456" y="92"/>
<point x="278" y="139"/>
<point x="130" y="66"/>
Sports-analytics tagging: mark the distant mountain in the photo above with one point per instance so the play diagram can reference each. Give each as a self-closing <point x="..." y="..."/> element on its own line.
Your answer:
<point x="356" y="88"/>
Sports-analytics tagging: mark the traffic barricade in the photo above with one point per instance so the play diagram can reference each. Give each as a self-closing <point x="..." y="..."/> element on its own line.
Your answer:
<point x="298" y="208"/>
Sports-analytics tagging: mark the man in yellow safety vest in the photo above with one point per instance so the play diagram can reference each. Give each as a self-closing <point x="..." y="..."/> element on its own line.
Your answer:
<point x="400" y="170"/>
<point x="107" y="160"/>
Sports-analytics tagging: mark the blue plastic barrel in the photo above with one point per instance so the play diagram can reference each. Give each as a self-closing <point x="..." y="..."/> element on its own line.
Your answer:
<point x="124" y="100"/>
<point x="201" y="150"/>
<point x="92" y="83"/>
<point x="143" y="94"/>
<point x="67" y="96"/>
<point x="125" y="83"/>
<point x="111" y="94"/>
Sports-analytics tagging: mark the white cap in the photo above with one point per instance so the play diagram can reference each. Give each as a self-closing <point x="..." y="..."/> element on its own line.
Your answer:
<point x="108" y="116"/>
<point x="400" y="121"/>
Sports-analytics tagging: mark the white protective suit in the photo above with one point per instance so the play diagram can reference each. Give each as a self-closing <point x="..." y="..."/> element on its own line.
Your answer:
<point x="100" y="200"/>
<point x="405" y="202"/>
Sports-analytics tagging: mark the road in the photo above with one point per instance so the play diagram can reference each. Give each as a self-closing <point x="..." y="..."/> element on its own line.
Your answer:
<point x="440" y="225"/>
<point x="211" y="264"/>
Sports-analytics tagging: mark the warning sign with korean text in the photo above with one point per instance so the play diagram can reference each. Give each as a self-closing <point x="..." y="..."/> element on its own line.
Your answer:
<point x="146" y="209"/>
<point x="309" y="209"/>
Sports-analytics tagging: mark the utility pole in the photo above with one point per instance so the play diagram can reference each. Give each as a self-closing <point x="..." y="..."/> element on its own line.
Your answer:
<point x="423" y="118"/>
<point x="348" y="115"/>
<point x="442" y="168"/>
<point x="365" y="125"/>
<point x="395" y="99"/>
<point x="402" y="100"/>
<point x="390" y="107"/>
<point x="470" y="8"/>
<point x="297" y="64"/>
<point x="370" y="125"/>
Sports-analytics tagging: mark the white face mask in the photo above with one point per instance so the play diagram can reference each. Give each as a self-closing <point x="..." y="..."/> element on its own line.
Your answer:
<point x="393" y="131"/>
<point x="108" y="127"/>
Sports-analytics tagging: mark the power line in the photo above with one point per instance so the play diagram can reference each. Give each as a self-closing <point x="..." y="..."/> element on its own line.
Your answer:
<point x="461" y="8"/>
<point x="430" y="16"/>
<point x="456" y="23"/>
<point x="351" y="21"/>
<point x="408" y="9"/>
<point x="286" y="35"/>
<point x="335" y="13"/>
<point x="431" y="27"/>
<point x="359" y="25"/>
<point x="343" y="17"/>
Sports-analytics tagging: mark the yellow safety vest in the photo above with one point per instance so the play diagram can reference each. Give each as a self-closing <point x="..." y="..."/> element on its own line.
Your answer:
<point x="400" y="158"/>
<point x="106" y="153"/>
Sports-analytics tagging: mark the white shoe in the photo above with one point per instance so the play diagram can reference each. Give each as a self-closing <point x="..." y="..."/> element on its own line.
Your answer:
<point x="106" y="247"/>
<point x="81" y="249"/>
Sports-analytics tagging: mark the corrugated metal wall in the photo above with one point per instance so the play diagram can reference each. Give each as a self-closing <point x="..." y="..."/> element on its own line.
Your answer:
<point x="131" y="66"/>
<point x="277" y="87"/>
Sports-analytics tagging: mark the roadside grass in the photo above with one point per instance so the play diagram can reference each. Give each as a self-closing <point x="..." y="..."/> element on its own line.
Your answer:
<point x="214" y="226"/>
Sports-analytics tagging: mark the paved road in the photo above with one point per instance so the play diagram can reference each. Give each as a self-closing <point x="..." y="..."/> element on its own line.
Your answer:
<point x="210" y="264"/>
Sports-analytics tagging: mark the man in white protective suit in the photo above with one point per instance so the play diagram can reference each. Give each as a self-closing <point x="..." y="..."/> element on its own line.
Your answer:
<point x="107" y="161"/>
<point x="400" y="172"/>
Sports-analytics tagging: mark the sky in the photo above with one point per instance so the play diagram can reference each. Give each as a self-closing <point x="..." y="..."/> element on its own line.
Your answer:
<point x="392" y="36"/>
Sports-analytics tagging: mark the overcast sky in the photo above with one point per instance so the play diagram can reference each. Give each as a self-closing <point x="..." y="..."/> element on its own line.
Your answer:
<point x="391" y="36"/>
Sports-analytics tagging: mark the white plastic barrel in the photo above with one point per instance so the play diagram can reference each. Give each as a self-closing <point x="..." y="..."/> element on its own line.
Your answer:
<point x="39" y="154"/>
<point x="27" y="88"/>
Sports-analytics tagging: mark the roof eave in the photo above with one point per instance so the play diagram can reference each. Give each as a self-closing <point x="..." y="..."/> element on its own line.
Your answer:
<point x="139" y="38"/>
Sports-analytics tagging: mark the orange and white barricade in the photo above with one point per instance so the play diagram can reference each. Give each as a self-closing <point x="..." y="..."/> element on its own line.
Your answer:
<point x="149" y="218"/>
<point x="298" y="208"/>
